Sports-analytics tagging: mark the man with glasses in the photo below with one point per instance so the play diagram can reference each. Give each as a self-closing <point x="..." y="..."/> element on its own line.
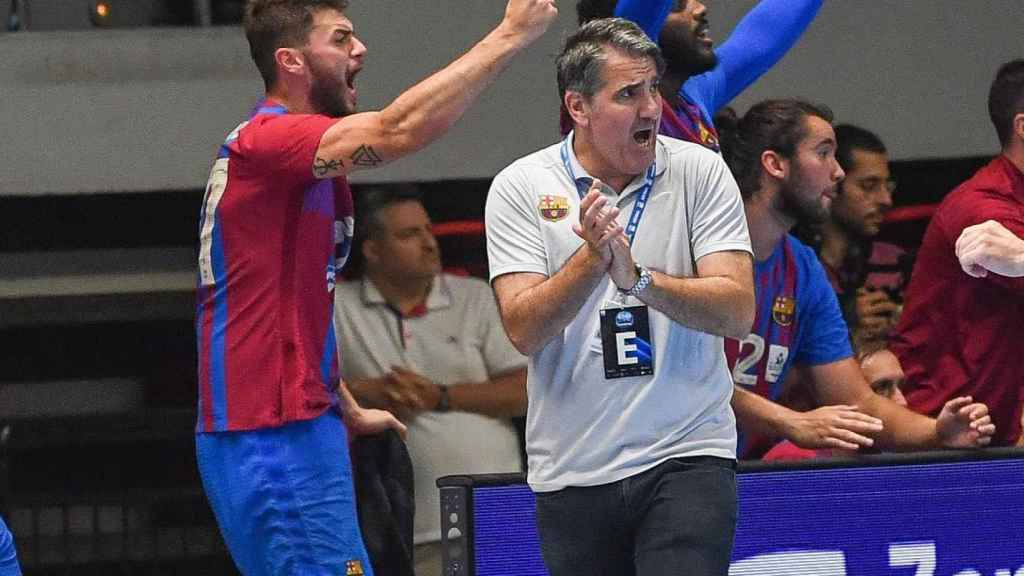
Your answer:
<point x="865" y="274"/>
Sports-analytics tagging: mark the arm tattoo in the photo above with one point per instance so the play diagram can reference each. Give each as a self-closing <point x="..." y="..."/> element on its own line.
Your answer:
<point x="321" y="166"/>
<point x="366" y="156"/>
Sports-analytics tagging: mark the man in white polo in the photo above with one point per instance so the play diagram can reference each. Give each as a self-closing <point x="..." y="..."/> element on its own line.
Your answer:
<point x="428" y="347"/>
<point x="620" y="259"/>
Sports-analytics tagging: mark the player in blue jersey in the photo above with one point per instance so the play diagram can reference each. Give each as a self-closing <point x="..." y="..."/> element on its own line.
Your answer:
<point x="699" y="79"/>
<point x="783" y="156"/>
<point x="8" y="556"/>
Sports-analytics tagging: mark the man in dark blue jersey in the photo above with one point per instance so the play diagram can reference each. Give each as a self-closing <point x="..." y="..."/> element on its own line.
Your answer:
<point x="699" y="79"/>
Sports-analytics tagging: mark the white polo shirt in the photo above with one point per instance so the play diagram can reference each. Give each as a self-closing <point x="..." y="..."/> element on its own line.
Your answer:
<point x="457" y="339"/>
<point x="582" y="429"/>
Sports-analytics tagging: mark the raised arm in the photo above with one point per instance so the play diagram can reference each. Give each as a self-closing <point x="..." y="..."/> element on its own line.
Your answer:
<point x="757" y="43"/>
<point x="426" y="111"/>
<point x="648" y="14"/>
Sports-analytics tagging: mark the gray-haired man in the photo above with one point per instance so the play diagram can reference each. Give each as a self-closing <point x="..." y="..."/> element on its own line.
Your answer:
<point x="620" y="259"/>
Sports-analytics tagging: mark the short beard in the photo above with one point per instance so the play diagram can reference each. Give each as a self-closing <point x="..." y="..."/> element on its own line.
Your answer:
<point x="795" y="203"/>
<point x="683" y="56"/>
<point x="688" y="62"/>
<point x="326" y="92"/>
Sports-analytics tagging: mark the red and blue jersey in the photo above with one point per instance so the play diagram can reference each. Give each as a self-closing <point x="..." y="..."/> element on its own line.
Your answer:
<point x="272" y="237"/>
<point x="798" y="320"/>
<point x="759" y="40"/>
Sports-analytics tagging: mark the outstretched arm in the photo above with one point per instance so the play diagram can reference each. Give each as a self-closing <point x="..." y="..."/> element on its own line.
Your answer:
<point x="426" y="111"/>
<point x="757" y="43"/>
<point x="961" y="424"/>
<point x="840" y="426"/>
<point x="648" y="14"/>
<point x="990" y="247"/>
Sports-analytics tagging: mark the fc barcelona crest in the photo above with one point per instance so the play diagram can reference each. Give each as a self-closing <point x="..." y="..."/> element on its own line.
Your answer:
<point x="707" y="137"/>
<point x="553" y="208"/>
<point x="354" y="568"/>
<point x="783" y="310"/>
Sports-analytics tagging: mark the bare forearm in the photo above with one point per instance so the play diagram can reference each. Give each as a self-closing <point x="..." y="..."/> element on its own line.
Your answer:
<point x="502" y="396"/>
<point x="757" y="414"/>
<point x="347" y="402"/>
<point x="716" y="305"/>
<point x="904" y="428"/>
<point x="534" y="316"/>
<point x="368" y="392"/>
<point x="427" y="110"/>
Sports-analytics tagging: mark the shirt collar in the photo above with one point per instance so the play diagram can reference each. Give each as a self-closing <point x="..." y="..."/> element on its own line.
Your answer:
<point x="583" y="179"/>
<point x="438" y="298"/>
<point x="1015" y="175"/>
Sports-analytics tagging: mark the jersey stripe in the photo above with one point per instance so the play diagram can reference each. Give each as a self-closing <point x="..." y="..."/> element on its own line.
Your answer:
<point x="218" y="336"/>
<point x="327" y="364"/>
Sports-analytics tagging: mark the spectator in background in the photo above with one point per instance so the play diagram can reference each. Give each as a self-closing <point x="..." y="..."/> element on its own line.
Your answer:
<point x="958" y="334"/>
<point x="429" y="347"/>
<point x="782" y="153"/>
<point x="699" y="79"/>
<point x="883" y="373"/>
<point x="990" y="247"/>
<point x="870" y="302"/>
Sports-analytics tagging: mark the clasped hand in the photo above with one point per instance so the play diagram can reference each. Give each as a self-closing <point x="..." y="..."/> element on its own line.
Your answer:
<point x="599" y="228"/>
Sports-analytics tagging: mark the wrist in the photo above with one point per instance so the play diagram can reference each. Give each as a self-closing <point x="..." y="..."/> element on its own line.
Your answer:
<point x="1019" y="268"/>
<point x="641" y="278"/>
<point x="444" y="401"/>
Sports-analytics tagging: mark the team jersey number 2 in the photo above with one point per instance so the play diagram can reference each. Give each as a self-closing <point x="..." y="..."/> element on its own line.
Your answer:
<point x="749" y="365"/>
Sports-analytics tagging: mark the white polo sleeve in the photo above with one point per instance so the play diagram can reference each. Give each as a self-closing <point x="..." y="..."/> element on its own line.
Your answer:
<point x="514" y="239"/>
<point x="717" y="220"/>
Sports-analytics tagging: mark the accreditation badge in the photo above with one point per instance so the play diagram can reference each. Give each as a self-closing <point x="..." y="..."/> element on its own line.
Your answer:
<point x="626" y="342"/>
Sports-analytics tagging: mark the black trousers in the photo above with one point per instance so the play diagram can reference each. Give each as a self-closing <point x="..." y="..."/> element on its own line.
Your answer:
<point x="674" y="519"/>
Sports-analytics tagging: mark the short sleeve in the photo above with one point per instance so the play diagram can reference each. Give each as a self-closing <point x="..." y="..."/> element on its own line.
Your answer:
<point x="285" y="143"/>
<point x="718" y="221"/>
<point x="825" y="337"/>
<point x="514" y="240"/>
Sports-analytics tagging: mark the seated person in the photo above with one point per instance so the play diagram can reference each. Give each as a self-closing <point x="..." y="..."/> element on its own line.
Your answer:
<point x="782" y="153"/>
<point x="430" y="348"/>
<point x="960" y="335"/>
<point x="881" y="369"/>
<point x="865" y="274"/>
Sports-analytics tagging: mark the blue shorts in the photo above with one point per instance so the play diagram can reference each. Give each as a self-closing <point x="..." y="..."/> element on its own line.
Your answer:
<point x="8" y="557"/>
<point x="284" y="498"/>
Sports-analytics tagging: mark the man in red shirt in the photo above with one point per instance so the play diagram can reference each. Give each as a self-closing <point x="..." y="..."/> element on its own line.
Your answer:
<point x="959" y="334"/>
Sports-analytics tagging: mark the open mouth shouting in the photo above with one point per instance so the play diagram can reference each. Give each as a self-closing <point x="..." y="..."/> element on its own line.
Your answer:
<point x="644" y="137"/>
<point x="702" y="33"/>
<point x="350" y="82"/>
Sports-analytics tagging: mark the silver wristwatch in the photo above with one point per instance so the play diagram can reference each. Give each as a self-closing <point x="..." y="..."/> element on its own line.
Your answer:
<point x="643" y="280"/>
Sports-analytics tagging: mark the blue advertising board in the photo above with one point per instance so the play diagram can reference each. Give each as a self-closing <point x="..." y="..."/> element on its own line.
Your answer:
<point x="953" y="518"/>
